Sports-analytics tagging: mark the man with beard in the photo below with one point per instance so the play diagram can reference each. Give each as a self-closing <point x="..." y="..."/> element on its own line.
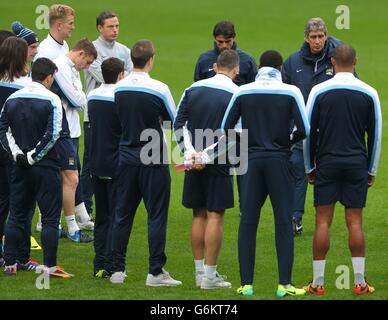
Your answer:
<point x="224" y="38"/>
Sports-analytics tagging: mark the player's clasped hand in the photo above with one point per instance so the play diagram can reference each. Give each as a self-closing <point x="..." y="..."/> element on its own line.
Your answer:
<point x="22" y="161"/>
<point x="371" y="180"/>
<point x="311" y="177"/>
<point x="197" y="162"/>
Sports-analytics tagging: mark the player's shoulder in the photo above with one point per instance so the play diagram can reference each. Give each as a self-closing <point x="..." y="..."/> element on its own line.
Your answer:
<point x="246" y="89"/>
<point x="60" y="61"/>
<point x="94" y="92"/>
<point x="158" y="85"/>
<point x="217" y="82"/>
<point x="122" y="47"/>
<point x="44" y="92"/>
<point x="294" y="90"/>
<point x="245" y="56"/>
<point x="103" y="92"/>
<point x="365" y="87"/>
<point x="207" y="55"/>
<point x="22" y="81"/>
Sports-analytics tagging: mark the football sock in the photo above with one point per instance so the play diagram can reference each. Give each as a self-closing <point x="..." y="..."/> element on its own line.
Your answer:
<point x="81" y="212"/>
<point x="199" y="265"/>
<point x="72" y="226"/>
<point x="359" y="270"/>
<point x="318" y="272"/>
<point x="210" y="271"/>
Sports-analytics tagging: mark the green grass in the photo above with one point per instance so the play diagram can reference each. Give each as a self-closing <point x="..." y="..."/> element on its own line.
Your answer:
<point x="181" y="30"/>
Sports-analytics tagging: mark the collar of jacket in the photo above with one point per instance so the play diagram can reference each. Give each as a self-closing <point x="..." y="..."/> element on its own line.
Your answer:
<point x="268" y="73"/>
<point x="234" y="47"/>
<point x="108" y="44"/>
<point x="327" y="51"/>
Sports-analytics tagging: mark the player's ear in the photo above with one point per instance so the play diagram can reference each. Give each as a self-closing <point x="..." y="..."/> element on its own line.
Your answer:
<point x="120" y="76"/>
<point x="215" y="67"/>
<point x="332" y="61"/>
<point x="355" y="61"/>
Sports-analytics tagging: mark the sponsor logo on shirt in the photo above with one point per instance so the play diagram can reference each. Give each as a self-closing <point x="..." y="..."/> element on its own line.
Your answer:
<point x="329" y="71"/>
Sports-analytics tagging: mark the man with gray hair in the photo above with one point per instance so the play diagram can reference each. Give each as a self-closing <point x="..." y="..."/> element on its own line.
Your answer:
<point x="306" y="68"/>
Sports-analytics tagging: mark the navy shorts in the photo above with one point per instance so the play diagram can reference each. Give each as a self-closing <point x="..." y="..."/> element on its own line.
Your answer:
<point x="213" y="192"/>
<point x="67" y="150"/>
<point x="346" y="185"/>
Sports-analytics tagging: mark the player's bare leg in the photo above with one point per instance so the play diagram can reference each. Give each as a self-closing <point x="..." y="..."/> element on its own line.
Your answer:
<point x="198" y="227"/>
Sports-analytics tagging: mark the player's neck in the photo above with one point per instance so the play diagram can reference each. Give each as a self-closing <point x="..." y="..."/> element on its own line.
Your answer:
<point x="57" y="37"/>
<point x="227" y="74"/>
<point x="339" y="69"/>
<point x="145" y="70"/>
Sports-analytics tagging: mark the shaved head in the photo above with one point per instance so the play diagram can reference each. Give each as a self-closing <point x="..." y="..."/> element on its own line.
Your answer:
<point x="344" y="55"/>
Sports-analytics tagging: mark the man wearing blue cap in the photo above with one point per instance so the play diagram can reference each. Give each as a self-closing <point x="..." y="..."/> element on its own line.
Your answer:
<point x="30" y="36"/>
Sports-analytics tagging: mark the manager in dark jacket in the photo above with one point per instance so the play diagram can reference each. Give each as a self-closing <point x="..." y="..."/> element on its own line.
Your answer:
<point x="224" y="38"/>
<point x="306" y="68"/>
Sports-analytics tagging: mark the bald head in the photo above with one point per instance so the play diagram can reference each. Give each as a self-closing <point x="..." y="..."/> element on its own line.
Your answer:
<point x="344" y="56"/>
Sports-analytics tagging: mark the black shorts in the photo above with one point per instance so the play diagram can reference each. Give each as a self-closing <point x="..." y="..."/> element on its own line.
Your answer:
<point x="213" y="192"/>
<point x="67" y="150"/>
<point x="347" y="185"/>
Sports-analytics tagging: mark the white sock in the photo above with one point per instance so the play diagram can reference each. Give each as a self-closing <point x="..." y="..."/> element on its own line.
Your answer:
<point x="318" y="272"/>
<point x="210" y="271"/>
<point x="199" y="265"/>
<point x="72" y="226"/>
<point x="81" y="212"/>
<point x="359" y="270"/>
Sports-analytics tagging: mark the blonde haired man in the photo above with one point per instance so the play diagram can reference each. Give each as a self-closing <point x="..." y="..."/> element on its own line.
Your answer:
<point x="61" y="20"/>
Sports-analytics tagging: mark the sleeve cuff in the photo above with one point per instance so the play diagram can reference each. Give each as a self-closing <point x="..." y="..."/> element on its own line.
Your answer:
<point x="16" y="154"/>
<point x="188" y="154"/>
<point x="308" y="171"/>
<point x="205" y="158"/>
<point x="29" y="158"/>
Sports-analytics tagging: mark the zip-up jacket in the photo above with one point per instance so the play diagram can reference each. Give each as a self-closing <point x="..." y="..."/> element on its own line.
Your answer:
<point x="267" y="108"/>
<point x="341" y="111"/>
<point x="105" y="131"/>
<point x="204" y="66"/>
<point x="32" y="116"/>
<point x="6" y="89"/>
<point x="201" y="109"/>
<point x="305" y="69"/>
<point x="67" y="85"/>
<point x="143" y="104"/>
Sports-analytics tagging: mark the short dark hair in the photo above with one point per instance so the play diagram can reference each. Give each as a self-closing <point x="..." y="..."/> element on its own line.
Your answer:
<point x="100" y="20"/>
<point x="141" y="52"/>
<point x="224" y="28"/>
<point x="13" y="58"/>
<point x="228" y="59"/>
<point x="4" y="34"/>
<point x="41" y="68"/>
<point x="87" y="46"/>
<point x="111" y="68"/>
<point x="344" y="55"/>
<point x="271" y="58"/>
